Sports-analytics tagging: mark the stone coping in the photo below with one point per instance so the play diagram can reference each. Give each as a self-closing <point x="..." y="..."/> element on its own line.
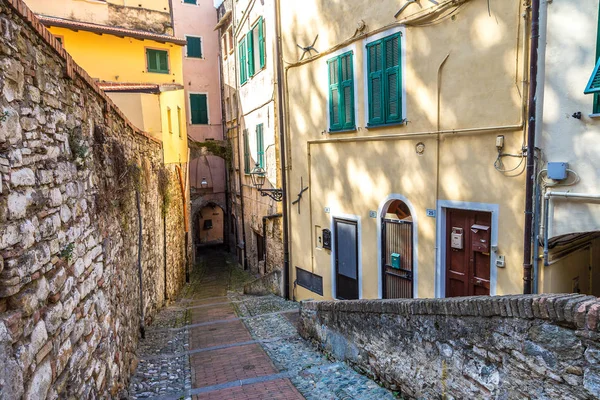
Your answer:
<point x="72" y="68"/>
<point x="574" y="310"/>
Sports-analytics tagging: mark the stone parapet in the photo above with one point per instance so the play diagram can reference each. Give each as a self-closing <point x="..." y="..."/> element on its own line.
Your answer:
<point x="520" y="346"/>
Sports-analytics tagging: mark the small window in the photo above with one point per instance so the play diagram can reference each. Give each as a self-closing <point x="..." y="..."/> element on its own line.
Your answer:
<point x="179" y="122"/>
<point x="199" y="109"/>
<point x="341" y="93"/>
<point x="158" y="61"/>
<point x="189" y="2"/>
<point x="385" y="91"/>
<point x="256" y="51"/>
<point x="193" y="47"/>
<point x="208" y="224"/>
<point x="169" y="121"/>
<point x="230" y="39"/>
<point x="260" y="146"/>
<point x="260" y="247"/>
<point x="246" y="152"/>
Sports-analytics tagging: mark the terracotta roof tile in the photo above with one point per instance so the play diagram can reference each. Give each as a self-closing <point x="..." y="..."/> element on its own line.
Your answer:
<point x="112" y="30"/>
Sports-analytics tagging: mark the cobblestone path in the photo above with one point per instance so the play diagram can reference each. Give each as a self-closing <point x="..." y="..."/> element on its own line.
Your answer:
<point x="215" y="343"/>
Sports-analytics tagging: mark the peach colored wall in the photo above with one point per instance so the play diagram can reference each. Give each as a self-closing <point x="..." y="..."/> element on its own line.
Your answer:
<point x="202" y="76"/>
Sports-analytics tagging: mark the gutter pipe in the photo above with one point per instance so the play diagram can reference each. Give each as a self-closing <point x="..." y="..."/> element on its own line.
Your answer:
<point x="282" y="150"/>
<point x="531" y="129"/>
<point x="566" y="195"/>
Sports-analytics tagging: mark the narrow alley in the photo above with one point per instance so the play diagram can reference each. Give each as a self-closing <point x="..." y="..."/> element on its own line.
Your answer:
<point x="216" y="343"/>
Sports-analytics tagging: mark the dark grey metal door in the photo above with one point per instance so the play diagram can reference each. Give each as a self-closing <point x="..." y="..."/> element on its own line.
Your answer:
<point x="397" y="259"/>
<point x="346" y="259"/>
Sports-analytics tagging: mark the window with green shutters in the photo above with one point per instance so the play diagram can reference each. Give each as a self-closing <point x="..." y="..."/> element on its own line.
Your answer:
<point x="385" y="80"/>
<point x="256" y="52"/>
<point x="199" y="109"/>
<point x="242" y="58"/>
<point x="261" y="43"/>
<point x="158" y="61"/>
<point x="341" y="92"/>
<point x="593" y="85"/>
<point x="193" y="47"/>
<point x="260" y="146"/>
<point x="250" y="48"/>
<point x="246" y="152"/>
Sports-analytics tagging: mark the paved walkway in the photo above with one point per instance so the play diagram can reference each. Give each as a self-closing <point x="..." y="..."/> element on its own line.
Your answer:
<point x="215" y="343"/>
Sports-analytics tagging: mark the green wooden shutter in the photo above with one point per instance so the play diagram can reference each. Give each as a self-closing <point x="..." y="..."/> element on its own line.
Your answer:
<point x="199" y="109"/>
<point x="158" y="61"/>
<point x="194" y="47"/>
<point x="261" y="41"/>
<point x="246" y="152"/>
<point x="334" y="94"/>
<point x="593" y="85"/>
<point x="392" y="94"/>
<point x="163" y="61"/>
<point x="242" y="58"/>
<point x="375" y="61"/>
<point x="151" y="57"/>
<point x="260" y="146"/>
<point x="250" y="46"/>
<point x="346" y="91"/>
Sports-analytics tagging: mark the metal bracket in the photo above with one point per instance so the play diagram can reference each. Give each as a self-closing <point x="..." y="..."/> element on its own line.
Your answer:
<point x="309" y="49"/>
<point x="302" y="190"/>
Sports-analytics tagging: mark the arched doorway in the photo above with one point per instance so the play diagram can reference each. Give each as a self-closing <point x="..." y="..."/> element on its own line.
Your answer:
<point x="209" y="224"/>
<point x="397" y="250"/>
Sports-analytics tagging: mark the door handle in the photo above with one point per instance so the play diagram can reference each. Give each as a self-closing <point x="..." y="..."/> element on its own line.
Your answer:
<point x="479" y="282"/>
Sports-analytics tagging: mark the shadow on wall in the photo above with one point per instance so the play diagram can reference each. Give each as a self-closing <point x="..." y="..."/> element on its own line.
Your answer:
<point x="209" y="225"/>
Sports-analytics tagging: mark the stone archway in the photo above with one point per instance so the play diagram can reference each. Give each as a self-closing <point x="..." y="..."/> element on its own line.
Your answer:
<point x="208" y="224"/>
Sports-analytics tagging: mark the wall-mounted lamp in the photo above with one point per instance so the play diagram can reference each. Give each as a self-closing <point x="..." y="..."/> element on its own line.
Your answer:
<point x="259" y="176"/>
<point x="204" y="183"/>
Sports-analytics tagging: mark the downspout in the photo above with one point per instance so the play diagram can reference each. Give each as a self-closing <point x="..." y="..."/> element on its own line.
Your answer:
<point x="139" y="262"/>
<point x="282" y="150"/>
<point x="264" y="231"/>
<point x="237" y="110"/>
<point x="538" y="133"/>
<point x="531" y="129"/>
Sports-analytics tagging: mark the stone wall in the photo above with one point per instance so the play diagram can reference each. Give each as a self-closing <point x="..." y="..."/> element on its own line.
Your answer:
<point x="75" y="180"/>
<point x="510" y="347"/>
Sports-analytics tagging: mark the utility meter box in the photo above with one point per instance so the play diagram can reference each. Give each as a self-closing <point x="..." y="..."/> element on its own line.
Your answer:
<point x="557" y="170"/>
<point x="395" y="260"/>
<point x="456" y="239"/>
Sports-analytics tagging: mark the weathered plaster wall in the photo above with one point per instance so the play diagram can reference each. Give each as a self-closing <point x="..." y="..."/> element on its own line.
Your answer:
<point x="487" y="347"/>
<point x="70" y="168"/>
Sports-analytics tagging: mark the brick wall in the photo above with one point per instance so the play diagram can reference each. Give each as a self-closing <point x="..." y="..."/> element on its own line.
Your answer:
<point x="544" y="346"/>
<point x="72" y="169"/>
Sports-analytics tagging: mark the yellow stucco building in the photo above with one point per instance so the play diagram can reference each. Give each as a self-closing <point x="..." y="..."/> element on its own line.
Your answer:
<point x="406" y="123"/>
<point x="131" y="50"/>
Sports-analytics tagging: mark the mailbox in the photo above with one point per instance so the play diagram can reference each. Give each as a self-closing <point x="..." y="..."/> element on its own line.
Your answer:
<point x="395" y="260"/>
<point x="456" y="240"/>
<point x="480" y="238"/>
<point x="327" y="239"/>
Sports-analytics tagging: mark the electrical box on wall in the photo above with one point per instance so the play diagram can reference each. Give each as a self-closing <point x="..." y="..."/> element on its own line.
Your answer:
<point x="327" y="239"/>
<point x="557" y="170"/>
<point x="456" y="240"/>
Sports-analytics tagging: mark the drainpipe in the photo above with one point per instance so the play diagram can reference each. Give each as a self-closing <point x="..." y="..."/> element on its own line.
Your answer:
<point x="140" y="271"/>
<point x="531" y="128"/>
<point x="282" y="151"/>
<point x="566" y="195"/>
<point x="238" y="125"/>
<point x="538" y="132"/>
<point x="264" y="220"/>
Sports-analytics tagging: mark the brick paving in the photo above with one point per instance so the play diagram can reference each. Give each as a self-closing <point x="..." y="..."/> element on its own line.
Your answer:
<point x="215" y="343"/>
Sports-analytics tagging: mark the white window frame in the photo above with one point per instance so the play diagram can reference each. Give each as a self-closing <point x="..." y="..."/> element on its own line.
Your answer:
<point x="201" y="48"/>
<point x="374" y="38"/>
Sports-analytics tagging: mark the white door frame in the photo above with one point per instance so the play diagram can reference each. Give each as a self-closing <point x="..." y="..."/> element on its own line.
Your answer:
<point x="380" y="215"/>
<point x="353" y="218"/>
<point x="440" y="268"/>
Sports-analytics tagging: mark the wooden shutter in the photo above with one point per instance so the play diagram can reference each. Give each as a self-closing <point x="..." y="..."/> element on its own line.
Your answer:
<point x="246" y="152"/>
<point x="163" y="61"/>
<point x="242" y="58"/>
<point x="334" y="94"/>
<point x="250" y="44"/>
<point x="346" y="91"/>
<point x="261" y="41"/>
<point x="199" y="109"/>
<point x="375" y="61"/>
<point x="392" y="94"/>
<point x="593" y="85"/>
<point x="194" y="47"/>
<point x="151" y="58"/>
<point x="260" y="146"/>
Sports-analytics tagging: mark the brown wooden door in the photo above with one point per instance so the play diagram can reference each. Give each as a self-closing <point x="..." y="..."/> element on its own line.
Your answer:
<point x="467" y="268"/>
